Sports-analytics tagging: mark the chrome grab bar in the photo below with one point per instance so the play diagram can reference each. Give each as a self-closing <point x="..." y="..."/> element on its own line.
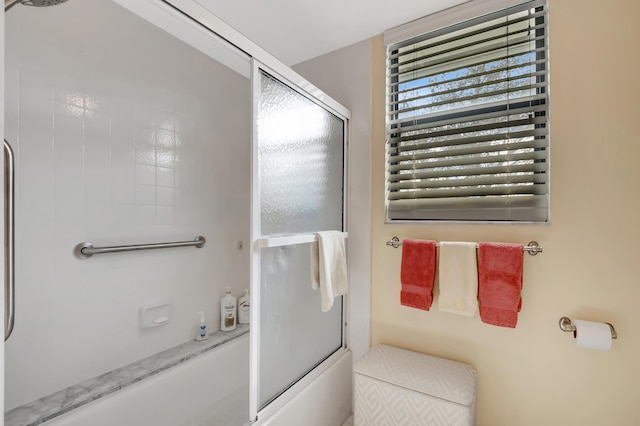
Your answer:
<point x="86" y="250"/>
<point x="9" y="242"/>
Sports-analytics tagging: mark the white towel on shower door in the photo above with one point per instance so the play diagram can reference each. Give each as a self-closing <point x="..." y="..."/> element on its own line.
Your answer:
<point x="458" y="278"/>
<point x="329" y="267"/>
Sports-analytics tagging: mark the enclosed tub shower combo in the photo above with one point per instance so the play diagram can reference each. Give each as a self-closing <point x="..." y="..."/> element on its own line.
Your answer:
<point x="159" y="157"/>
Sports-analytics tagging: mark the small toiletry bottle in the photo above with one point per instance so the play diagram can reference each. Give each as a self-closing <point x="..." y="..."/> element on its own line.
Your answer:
<point x="228" y="311"/>
<point x="244" y="308"/>
<point x="201" y="332"/>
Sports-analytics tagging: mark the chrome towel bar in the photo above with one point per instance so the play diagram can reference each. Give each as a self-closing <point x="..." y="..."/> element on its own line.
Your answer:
<point x="532" y="248"/>
<point x="86" y="250"/>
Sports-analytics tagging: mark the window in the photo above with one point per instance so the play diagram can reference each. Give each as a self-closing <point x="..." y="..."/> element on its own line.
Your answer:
<point x="467" y="122"/>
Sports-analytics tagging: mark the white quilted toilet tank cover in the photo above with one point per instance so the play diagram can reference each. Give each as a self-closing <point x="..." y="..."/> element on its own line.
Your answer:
<point x="441" y="378"/>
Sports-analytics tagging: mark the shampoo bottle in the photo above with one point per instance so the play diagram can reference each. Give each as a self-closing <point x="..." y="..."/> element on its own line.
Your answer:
<point x="244" y="308"/>
<point x="228" y="311"/>
<point x="201" y="331"/>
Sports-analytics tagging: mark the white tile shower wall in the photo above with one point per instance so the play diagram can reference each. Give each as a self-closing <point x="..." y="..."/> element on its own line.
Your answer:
<point x="123" y="135"/>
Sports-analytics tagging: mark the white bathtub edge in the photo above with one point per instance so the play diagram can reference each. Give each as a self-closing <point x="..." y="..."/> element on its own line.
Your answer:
<point x="187" y="394"/>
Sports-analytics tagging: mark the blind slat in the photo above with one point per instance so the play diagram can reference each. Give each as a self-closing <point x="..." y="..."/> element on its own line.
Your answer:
<point x="493" y="179"/>
<point x="470" y="191"/>
<point x="469" y="171"/>
<point x="494" y="208"/>
<point x="470" y="111"/>
<point x="476" y="202"/>
<point x="499" y="24"/>
<point x="509" y="82"/>
<point x="466" y="151"/>
<point x="393" y="92"/>
<point x="500" y="143"/>
<point x="466" y="87"/>
<point x="437" y="120"/>
<point x="513" y="38"/>
<point x="463" y="161"/>
<point x="475" y="96"/>
<point x="401" y="142"/>
<point x="500" y="52"/>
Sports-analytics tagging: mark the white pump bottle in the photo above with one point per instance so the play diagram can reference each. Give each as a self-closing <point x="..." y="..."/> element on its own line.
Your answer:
<point x="228" y="311"/>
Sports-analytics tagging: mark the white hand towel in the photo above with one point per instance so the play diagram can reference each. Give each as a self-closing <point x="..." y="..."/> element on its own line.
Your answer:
<point x="329" y="267"/>
<point x="458" y="278"/>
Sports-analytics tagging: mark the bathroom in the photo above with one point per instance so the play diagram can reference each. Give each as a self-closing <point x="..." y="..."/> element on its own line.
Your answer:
<point x="530" y="375"/>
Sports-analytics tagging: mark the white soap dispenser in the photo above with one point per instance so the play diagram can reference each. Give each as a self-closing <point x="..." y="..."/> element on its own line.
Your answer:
<point x="201" y="331"/>
<point x="228" y="311"/>
<point x="244" y="308"/>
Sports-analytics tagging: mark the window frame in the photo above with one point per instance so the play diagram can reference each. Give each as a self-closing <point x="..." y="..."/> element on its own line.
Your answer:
<point x="455" y="19"/>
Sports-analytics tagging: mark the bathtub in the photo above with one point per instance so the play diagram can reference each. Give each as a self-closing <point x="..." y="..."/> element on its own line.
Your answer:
<point x="211" y="389"/>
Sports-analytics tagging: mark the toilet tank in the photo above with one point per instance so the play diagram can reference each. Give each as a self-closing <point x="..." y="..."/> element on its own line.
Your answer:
<point x="394" y="386"/>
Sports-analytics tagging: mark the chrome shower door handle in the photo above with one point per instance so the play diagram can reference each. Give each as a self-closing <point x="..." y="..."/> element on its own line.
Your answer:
<point x="9" y="242"/>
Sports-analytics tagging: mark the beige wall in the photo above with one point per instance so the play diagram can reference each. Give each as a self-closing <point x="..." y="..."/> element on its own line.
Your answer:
<point x="534" y="374"/>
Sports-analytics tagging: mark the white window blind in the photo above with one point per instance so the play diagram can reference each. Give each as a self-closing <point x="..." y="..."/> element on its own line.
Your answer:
<point x="467" y="123"/>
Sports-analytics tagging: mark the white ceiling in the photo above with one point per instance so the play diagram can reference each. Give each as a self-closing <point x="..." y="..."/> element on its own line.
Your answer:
<point x="297" y="30"/>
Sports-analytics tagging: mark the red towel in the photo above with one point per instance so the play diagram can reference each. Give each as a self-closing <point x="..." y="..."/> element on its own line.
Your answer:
<point x="417" y="273"/>
<point x="500" y="283"/>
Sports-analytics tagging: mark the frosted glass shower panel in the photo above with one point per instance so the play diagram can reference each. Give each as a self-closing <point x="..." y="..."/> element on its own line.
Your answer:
<point x="301" y="162"/>
<point x="295" y="335"/>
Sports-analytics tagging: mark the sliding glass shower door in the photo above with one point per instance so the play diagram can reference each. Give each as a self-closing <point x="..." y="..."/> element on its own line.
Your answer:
<point x="298" y="189"/>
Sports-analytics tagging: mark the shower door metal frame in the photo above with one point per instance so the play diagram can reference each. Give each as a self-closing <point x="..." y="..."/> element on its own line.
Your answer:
<point x="2" y="218"/>
<point x="257" y="242"/>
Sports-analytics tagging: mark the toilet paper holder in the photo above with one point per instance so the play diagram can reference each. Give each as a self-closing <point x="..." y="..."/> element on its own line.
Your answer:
<point x="565" y="325"/>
